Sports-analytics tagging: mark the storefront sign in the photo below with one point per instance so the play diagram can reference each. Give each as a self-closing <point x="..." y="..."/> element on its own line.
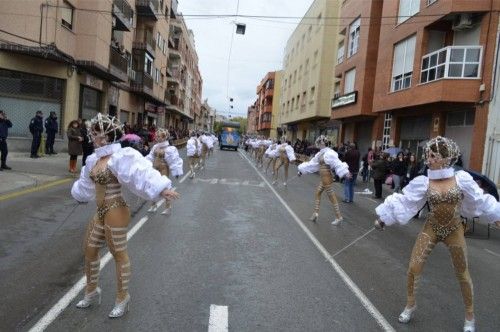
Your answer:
<point x="94" y="82"/>
<point x="150" y="107"/>
<point x="347" y="99"/>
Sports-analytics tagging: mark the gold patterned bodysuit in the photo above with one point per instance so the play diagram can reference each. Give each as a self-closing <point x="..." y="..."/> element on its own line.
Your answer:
<point x="282" y="161"/>
<point x="159" y="162"/>
<point x="109" y="226"/>
<point x="326" y="183"/>
<point x="443" y="225"/>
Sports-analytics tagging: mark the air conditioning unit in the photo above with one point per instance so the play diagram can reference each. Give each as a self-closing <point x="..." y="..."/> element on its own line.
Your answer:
<point x="462" y="22"/>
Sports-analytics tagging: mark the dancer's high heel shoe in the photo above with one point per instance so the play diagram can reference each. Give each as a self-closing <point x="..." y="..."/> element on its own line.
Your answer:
<point x="407" y="314"/>
<point x="470" y="325"/>
<point x="89" y="299"/>
<point x="314" y="216"/>
<point x="120" y="308"/>
<point x="337" y="221"/>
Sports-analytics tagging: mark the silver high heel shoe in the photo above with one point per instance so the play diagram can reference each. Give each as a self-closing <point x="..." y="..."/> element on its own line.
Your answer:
<point x="470" y="325"/>
<point x="89" y="299"/>
<point x="337" y="221"/>
<point x="120" y="308"/>
<point x="314" y="216"/>
<point x="167" y="211"/>
<point x="407" y="314"/>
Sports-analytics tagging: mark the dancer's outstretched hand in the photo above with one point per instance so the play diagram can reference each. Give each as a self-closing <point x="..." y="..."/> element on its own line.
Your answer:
<point x="170" y="195"/>
<point x="379" y="224"/>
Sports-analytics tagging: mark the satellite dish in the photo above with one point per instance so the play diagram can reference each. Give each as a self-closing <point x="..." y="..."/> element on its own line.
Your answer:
<point x="240" y="28"/>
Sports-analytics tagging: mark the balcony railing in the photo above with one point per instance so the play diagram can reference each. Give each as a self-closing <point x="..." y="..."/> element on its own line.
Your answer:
<point x="147" y="8"/>
<point x="340" y="55"/>
<point x="131" y="74"/>
<point x="124" y="15"/>
<point x="452" y="62"/>
<point x="141" y="81"/>
<point x="148" y="43"/>
<point x="117" y="60"/>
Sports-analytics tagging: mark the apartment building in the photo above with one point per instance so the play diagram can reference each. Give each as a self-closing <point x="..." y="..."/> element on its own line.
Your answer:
<point x="307" y="89"/>
<point x="434" y="73"/>
<point x="276" y="131"/>
<point x="355" y="70"/>
<point x="184" y="89"/>
<point x="491" y="159"/>
<point x="264" y="104"/>
<point x="81" y="57"/>
<point x="252" y="120"/>
<point x="420" y="68"/>
<point x="206" y="119"/>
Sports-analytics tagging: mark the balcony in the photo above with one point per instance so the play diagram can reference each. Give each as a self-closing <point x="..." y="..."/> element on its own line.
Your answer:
<point x="173" y="9"/>
<point x="147" y="44"/>
<point x="452" y="62"/>
<point x="143" y="83"/>
<point x="175" y="75"/>
<point x="268" y="93"/>
<point x="131" y="74"/>
<point x="147" y="8"/>
<point x="173" y="49"/>
<point x="118" y="63"/>
<point x="123" y="15"/>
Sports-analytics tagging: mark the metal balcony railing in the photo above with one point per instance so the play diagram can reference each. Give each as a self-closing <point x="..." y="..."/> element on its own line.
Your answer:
<point x="117" y="60"/>
<point x="452" y="62"/>
<point x="122" y="10"/>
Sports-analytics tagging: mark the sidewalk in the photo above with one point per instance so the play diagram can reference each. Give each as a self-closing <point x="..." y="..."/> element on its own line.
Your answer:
<point x="28" y="173"/>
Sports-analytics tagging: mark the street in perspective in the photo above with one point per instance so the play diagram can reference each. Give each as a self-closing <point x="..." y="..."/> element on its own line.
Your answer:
<point x="237" y="165"/>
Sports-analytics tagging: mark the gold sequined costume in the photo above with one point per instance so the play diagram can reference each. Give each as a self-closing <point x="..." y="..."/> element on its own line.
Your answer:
<point x="443" y="225"/>
<point x="108" y="226"/>
<point x="326" y="183"/>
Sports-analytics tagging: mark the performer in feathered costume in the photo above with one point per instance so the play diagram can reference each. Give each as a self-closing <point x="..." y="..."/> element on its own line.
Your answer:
<point x="286" y="155"/>
<point x="166" y="160"/>
<point x="324" y="162"/>
<point x="450" y="195"/>
<point x="106" y="170"/>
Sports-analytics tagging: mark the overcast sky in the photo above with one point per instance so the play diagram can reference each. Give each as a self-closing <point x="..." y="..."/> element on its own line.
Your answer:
<point x="254" y="54"/>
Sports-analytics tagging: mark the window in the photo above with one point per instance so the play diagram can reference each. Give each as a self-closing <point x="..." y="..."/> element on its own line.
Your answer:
<point x="295" y="76"/>
<point x="460" y="119"/>
<point x="304" y="98"/>
<point x="300" y="72"/>
<point x="306" y="69"/>
<point x="354" y="30"/>
<point x="340" y="53"/>
<point x="157" y="75"/>
<point x="284" y="85"/>
<point x="163" y="47"/>
<point x="458" y="62"/>
<point x="336" y="90"/>
<point x="148" y="64"/>
<point x="386" y="136"/>
<point x="309" y="32"/>
<point x="430" y="2"/>
<point x="298" y="101"/>
<point x="162" y="78"/>
<point x="293" y="103"/>
<point x="158" y="39"/>
<point x="67" y="15"/>
<point x="315" y="58"/>
<point x="402" y="66"/>
<point x="313" y="90"/>
<point x="350" y="78"/>
<point x="319" y="22"/>
<point x="407" y="8"/>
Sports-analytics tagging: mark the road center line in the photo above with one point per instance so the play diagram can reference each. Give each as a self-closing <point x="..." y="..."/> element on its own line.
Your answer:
<point x="218" y="321"/>
<point x="66" y="300"/>
<point x="491" y="252"/>
<point x="372" y="310"/>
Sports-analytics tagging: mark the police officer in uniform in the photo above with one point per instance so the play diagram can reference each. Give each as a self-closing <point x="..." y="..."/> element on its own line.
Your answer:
<point x="51" y="128"/>
<point x="5" y="124"/>
<point x="36" y="129"/>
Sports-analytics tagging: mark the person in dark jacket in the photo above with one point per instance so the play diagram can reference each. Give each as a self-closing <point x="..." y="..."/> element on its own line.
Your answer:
<point x="399" y="171"/>
<point x="379" y="167"/>
<point x="351" y="157"/>
<point x="87" y="145"/>
<point x="412" y="169"/>
<point x="5" y="124"/>
<point x="36" y="129"/>
<point x="51" y="128"/>
<point x="75" y="140"/>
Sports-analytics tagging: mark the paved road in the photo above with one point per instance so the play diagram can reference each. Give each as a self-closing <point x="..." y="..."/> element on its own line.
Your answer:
<point x="232" y="242"/>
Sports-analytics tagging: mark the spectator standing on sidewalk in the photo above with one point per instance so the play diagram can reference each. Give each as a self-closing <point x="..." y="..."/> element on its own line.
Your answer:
<point x="51" y="128"/>
<point x="379" y="167"/>
<point x="351" y="157"/>
<point x="399" y="171"/>
<point x="36" y="129"/>
<point x="75" y="141"/>
<point x="5" y="124"/>
<point x="87" y="145"/>
<point x="412" y="169"/>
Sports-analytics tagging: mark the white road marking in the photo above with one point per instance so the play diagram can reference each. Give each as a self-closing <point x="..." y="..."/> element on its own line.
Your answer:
<point x="185" y="177"/>
<point x="218" y="318"/>
<point x="491" y="252"/>
<point x="372" y="310"/>
<point x="66" y="300"/>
